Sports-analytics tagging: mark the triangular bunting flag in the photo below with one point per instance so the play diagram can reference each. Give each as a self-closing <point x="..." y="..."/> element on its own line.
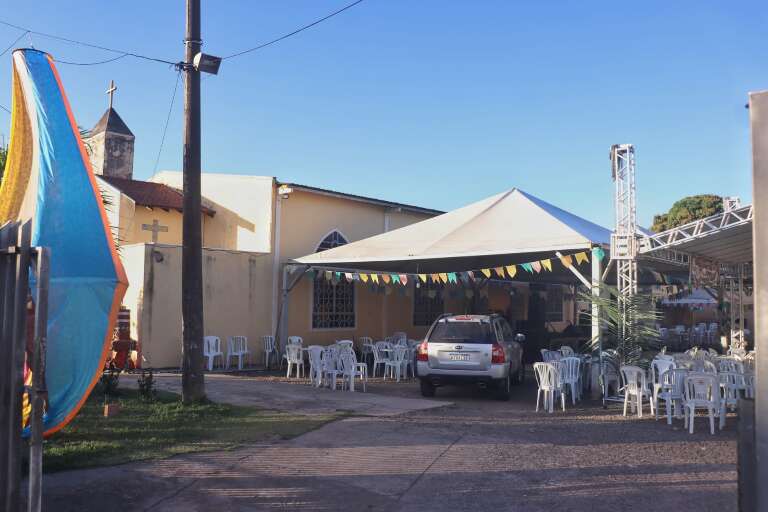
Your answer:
<point x="581" y="257"/>
<point x="547" y="264"/>
<point x="328" y="275"/>
<point x="348" y="276"/>
<point x="435" y="278"/>
<point x="403" y="279"/>
<point x="386" y="278"/>
<point x="499" y="272"/>
<point x="443" y="277"/>
<point x="511" y="270"/>
<point x="528" y="267"/>
<point x="486" y="272"/>
<point x="311" y="274"/>
<point x="375" y="278"/>
<point x="364" y="278"/>
<point x="471" y="275"/>
<point x="451" y="277"/>
<point x="423" y="278"/>
<point x="536" y="266"/>
<point x="567" y="261"/>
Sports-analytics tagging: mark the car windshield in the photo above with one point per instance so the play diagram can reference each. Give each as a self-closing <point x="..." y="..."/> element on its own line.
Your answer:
<point x="464" y="332"/>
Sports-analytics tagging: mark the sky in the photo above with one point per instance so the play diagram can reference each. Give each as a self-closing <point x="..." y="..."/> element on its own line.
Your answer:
<point x="436" y="103"/>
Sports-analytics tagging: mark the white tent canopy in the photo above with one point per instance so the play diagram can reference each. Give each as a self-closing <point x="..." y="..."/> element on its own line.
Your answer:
<point x="698" y="297"/>
<point x="511" y="227"/>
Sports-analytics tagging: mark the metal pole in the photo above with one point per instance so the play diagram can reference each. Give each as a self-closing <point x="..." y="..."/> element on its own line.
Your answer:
<point x="758" y="111"/>
<point x="38" y="382"/>
<point x="193" y="383"/>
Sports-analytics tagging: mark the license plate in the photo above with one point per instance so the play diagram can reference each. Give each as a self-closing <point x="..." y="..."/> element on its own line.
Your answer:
<point x="458" y="357"/>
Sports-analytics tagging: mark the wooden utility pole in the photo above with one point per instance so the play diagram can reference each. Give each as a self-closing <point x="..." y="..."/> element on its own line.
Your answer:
<point x="192" y="377"/>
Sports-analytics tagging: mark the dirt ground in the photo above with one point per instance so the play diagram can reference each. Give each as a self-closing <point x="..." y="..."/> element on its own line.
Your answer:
<point x="475" y="453"/>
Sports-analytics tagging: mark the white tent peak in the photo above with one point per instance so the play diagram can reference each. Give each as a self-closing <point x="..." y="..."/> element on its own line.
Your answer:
<point x="512" y="226"/>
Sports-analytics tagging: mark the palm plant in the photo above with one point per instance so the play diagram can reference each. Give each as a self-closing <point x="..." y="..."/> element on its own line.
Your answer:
<point x="628" y="325"/>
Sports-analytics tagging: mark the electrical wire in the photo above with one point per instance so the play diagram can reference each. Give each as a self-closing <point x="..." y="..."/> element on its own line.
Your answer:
<point x="5" y="108"/>
<point x="13" y="43"/>
<point x="107" y="61"/>
<point x="89" y="45"/>
<point x="167" y="119"/>
<point x="286" y="36"/>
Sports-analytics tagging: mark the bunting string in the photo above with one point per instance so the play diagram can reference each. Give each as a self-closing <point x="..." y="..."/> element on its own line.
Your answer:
<point x="466" y="277"/>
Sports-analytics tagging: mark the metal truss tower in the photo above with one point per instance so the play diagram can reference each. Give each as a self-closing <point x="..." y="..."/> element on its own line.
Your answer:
<point x="624" y="244"/>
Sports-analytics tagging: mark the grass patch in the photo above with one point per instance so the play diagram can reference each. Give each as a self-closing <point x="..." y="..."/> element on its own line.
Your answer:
<point x="163" y="428"/>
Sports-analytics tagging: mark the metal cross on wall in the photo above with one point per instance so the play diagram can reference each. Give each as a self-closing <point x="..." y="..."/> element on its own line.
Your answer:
<point x="111" y="91"/>
<point x="155" y="228"/>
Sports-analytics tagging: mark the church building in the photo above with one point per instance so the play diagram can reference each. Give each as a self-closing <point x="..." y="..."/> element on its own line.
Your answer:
<point x="252" y="225"/>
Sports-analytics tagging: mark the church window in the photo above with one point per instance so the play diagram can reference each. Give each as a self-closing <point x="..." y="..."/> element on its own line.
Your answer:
<point x="427" y="303"/>
<point x="333" y="305"/>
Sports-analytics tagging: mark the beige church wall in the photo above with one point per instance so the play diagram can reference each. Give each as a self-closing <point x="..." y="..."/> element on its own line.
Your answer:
<point x="405" y="218"/>
<point x="236" y="298"/>
<point x="243" y="205"/>
<point x="143" y="215"/>
<point x="306" y="218"/>
<point x="133" y="258"/>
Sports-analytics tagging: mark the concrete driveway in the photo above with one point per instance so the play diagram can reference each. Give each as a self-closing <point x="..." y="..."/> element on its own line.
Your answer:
<point x="475" y="454"/>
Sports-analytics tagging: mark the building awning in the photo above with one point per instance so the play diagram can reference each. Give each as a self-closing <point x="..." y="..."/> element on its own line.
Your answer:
<point x="509" y="228"/>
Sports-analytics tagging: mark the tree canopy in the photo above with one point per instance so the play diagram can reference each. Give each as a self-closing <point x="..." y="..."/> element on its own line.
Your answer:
<point x="686" y="210"/>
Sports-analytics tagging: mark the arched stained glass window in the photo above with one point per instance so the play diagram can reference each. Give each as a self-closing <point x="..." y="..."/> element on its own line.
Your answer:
<point x="333" y="304"/>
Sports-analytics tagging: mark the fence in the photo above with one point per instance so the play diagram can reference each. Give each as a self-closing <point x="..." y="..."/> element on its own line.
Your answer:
<point x="21" y="265"/>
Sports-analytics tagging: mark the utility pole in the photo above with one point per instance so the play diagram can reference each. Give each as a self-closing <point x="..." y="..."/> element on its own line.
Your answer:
<point x="192" y="377"/>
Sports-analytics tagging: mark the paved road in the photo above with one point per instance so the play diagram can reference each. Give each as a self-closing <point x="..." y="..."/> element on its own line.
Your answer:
<point x="477" y="454"/>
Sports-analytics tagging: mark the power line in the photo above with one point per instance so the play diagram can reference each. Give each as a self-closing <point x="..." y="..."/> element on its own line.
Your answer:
<point x="286" y="36"/>
<point x="96" y="63"/>
<point x="89" y="45"/>
<point x="13" y="43"/>
<point x="167" y="119"/>
<point x="5" y="108"/>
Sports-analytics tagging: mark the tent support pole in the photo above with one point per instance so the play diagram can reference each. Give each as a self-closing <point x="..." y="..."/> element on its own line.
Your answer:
<point x="597" y="265"/>
<point x="576" y="272"/>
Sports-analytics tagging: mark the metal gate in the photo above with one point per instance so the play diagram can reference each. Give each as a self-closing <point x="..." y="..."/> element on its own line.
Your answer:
<point x="23" y="299"/>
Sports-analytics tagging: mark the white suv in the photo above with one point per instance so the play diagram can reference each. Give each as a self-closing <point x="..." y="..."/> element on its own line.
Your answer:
<point x="470" y="349"/>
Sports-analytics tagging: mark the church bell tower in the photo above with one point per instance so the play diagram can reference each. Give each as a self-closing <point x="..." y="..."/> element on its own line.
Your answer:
<point x="110" y="143"/>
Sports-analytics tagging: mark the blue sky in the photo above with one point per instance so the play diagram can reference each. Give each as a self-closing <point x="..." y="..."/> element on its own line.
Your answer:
<point x="437" y="103"/>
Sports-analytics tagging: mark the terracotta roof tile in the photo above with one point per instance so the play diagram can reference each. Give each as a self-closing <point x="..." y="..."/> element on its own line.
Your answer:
<point x="154" y="195"/>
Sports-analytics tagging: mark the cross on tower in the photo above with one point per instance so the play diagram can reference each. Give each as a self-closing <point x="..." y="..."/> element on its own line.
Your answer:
<point x="155" y="228"/>
<point x="111" y="91"/>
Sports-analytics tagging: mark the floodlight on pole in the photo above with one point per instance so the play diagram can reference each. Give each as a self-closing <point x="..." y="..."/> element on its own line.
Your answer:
<point x="205" y="63"/>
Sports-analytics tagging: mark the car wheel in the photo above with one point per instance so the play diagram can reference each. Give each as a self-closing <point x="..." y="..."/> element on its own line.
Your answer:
<point x="504" y="388"/>
<point x="427" y="389"/>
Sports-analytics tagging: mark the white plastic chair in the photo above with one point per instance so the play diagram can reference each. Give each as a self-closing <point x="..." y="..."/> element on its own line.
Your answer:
<point x="550" y="355"/>
<point x="671" y="387"/>
<point x="730" y="364"/>
<point x="212" y="350"/>
<point x="548" y="383"/>
<point x="294" y="356"/>
<point x="330" y="366"/>
<point x="399" y="337"/>
<point x="702" y="391"/>
<point x="269" y="349"/>
<point x="395" y="363"/>
<point x="292" y="340"/>
<point x="732" y="384"/>
<point x="635" y="389"/>
<point x="566" y="351"/>
<point x="237" y="346"/>
<point x="658" y="366"/>
<point x="380" y="356"/>
<point x="570" y="375"/>
<point x="351" y="369"/>
<point x="365" y="347"/>
<point x="315" y="365"/>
